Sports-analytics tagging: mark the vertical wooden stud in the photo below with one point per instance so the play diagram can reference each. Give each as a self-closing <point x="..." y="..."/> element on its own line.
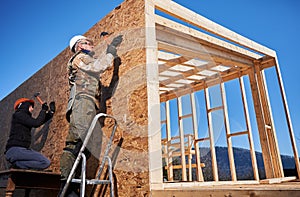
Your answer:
<point x="249" y="129"/>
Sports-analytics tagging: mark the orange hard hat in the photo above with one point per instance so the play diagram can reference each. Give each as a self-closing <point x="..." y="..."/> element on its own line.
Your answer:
<point x="22" y="100"/>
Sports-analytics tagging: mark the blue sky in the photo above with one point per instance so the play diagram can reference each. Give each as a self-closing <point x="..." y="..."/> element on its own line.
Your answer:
<point x="33" y="32"/>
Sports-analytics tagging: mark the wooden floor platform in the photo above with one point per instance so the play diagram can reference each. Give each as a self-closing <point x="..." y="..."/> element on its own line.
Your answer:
<point x="237" y="189"/>
<point x="28" y="179"/>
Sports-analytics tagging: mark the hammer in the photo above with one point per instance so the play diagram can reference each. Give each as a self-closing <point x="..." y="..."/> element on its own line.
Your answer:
<point x="36" y="95"/>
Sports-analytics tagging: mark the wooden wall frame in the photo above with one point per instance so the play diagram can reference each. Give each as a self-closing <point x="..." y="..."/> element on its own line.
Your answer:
<point x="163" y="59"/>
<point x="179" y="45"/>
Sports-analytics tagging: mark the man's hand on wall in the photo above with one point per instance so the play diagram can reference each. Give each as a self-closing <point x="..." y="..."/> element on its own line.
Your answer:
<point x="52" y="106"/>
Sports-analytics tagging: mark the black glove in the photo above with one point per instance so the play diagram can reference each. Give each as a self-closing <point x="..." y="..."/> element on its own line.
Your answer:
<point x="45" y="106"/>
<point x="52" y="106"/>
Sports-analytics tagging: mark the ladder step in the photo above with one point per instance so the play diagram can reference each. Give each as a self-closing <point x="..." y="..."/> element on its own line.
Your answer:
<point x="76" y="180"/>
<point x="268" y="126"/>
<point x="97" y="181"/>
<point x="92" y="181"/>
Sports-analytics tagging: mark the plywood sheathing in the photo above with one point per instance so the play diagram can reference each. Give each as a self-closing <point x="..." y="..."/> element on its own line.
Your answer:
<point x="128" y="104"/>
<point x="50" y="82"/>
<point x="137" y="88"/>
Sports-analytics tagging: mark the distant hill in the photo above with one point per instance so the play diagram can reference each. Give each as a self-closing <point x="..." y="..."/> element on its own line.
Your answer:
<point x="243" y="164"/>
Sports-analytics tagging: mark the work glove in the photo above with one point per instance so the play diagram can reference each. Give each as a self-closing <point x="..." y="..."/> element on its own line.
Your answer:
<point x="45" y="106"/>
<point x="52" y="106"/>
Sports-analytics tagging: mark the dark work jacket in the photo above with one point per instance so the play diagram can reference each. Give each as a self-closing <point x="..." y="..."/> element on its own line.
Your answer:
<point x="21" y="124"/>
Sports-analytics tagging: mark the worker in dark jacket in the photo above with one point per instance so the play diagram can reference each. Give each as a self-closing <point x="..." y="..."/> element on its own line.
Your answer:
<point x="18" y="151"/>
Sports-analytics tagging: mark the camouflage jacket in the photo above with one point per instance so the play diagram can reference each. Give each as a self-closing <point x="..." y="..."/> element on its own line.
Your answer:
<point x="84" y="71"/>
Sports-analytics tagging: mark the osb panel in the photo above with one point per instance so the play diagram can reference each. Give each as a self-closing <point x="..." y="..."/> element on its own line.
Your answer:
<point x="50" y="82"/>
<point x="128" y="103"/>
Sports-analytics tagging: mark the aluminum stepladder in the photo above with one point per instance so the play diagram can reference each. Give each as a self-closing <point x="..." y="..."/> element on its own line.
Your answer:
<point x="83" y="181"/>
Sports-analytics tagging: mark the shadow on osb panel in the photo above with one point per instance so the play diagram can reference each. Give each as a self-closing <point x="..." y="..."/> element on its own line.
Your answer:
<point x="106" y="92"/>
<point x="104" y="188"/>
<point x="39" y="137"/>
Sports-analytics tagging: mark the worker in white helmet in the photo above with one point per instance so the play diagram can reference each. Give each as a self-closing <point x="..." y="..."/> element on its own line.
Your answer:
<point x="84" y="69"/>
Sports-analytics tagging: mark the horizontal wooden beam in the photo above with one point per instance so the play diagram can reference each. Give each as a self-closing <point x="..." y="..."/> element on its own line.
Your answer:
<point x="203" y="84"/>
<point x="215" y="109"/>
<point x="238" y="133"/>
<point x="192" y="189"/>
<point x="205" y="38"/>
<point x="195" y="49"/>
<point x="186" y="15"/>
<point x="277" y="180"/>
<point x="202" y="165"/>
<point x="267" y="62"/>
<point x="202" y="139"/>
<point x="199" y="85"/>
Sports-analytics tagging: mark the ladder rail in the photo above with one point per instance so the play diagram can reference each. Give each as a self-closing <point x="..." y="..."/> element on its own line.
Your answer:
<point x="83" y="175"/>
<point x="85" y="142"/>
<point x="107" y="150"/>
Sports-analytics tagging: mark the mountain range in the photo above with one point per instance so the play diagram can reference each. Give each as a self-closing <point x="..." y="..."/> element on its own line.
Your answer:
<point x="243" y="164"/>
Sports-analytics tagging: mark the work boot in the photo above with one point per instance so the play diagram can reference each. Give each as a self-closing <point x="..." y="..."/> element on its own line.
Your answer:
<point x="72" y="191"/>
<point x="72" y="194"/>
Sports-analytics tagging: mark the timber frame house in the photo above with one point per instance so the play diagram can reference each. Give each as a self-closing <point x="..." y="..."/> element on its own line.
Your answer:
<point x="195" y="55"/>
<point x="172" y="58"/>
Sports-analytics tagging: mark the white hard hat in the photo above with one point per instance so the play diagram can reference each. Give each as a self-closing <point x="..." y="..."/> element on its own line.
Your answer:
<point x="74" y="40"/>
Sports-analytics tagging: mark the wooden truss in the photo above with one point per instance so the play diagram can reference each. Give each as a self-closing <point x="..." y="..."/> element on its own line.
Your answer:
<point x="196" y="54"/>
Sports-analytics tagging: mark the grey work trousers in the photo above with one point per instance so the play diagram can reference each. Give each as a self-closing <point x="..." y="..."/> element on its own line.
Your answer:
<point x="83" y="112"/>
